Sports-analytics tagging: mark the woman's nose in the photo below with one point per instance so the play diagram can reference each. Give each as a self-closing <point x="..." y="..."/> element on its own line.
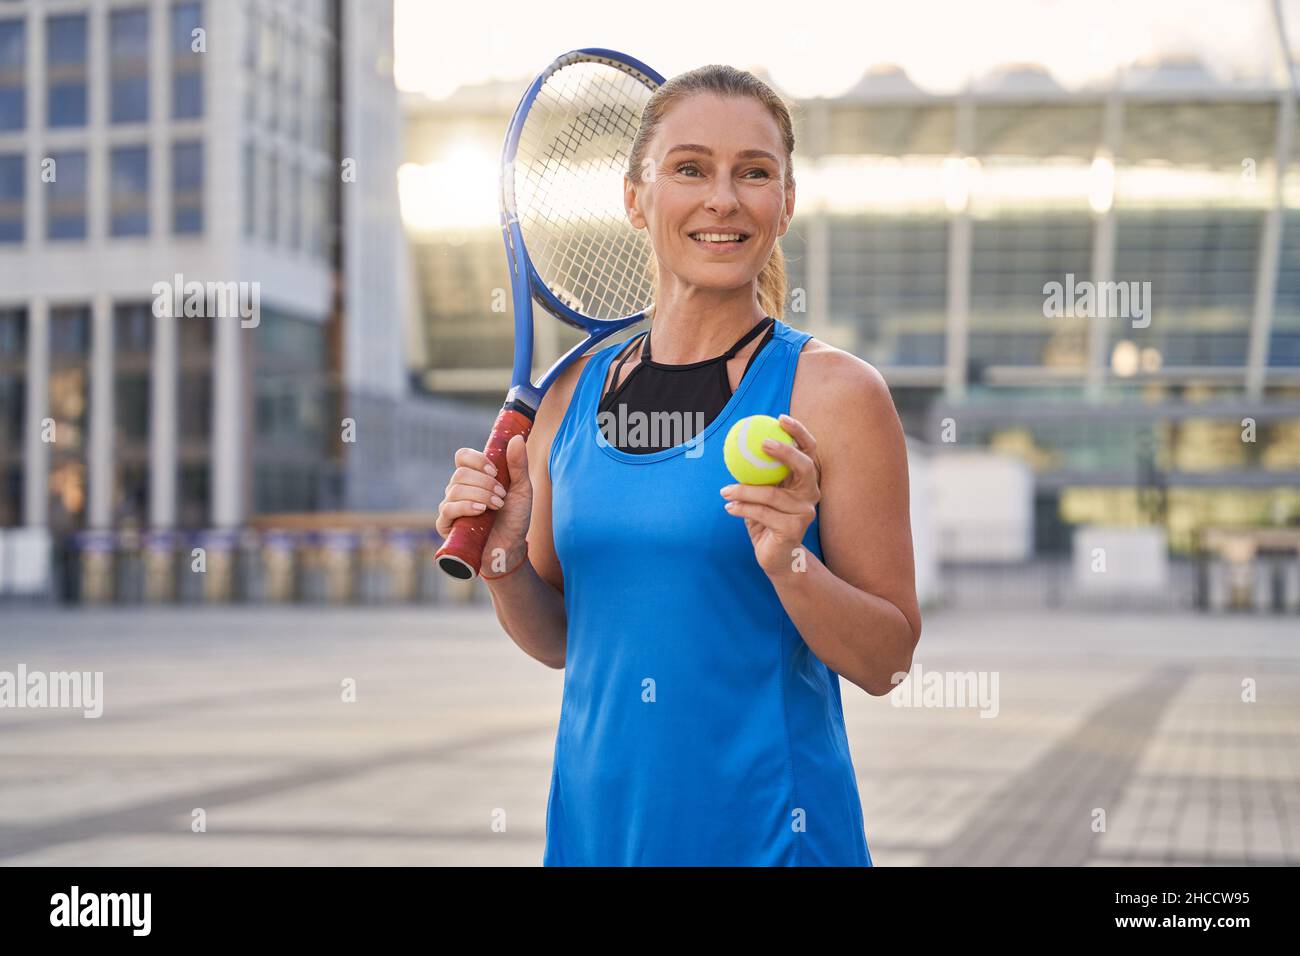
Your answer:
<point x="723" y="198"/>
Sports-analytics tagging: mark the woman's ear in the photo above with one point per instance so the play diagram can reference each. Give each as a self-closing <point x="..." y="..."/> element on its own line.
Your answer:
<point x="787" y="212"/>
<point x="630" y="204"/>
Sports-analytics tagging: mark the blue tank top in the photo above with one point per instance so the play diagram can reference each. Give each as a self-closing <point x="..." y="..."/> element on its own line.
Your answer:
<point x="696" y="728"/>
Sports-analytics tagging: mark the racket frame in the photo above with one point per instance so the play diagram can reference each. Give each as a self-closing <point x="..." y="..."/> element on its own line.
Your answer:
<point x="462" y="552"/>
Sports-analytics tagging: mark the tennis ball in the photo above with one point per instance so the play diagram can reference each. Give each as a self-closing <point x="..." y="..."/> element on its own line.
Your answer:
<point x="744" y="455"/>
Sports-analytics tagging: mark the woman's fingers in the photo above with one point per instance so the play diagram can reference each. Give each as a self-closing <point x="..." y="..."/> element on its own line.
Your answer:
<point x="801" y="465"/>
<point x="799" y="433"/>
<point x="449" y="511"/>
<point x="473" y="458"/>
<point x="806" y="443"/>
<point x="785" y="524"/>
<point x="475" y="493"/>
<point x="783" y="500"/>
<point x="472" y="478"/>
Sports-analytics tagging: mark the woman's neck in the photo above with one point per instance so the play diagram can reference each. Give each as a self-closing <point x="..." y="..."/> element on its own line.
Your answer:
<point x="683" y="336"/>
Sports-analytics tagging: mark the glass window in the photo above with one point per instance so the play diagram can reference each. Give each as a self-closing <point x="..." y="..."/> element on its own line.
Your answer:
<point x="193" y="493"/>
<point x="187" y="94"/>
<point x="196" y="408"/>
<point x="326" y="118"/>
<point x="13" y="408"/>
<point x="1284" y="344"/>
<point x="69" y="331"/>
<point x="250" y="189"/>
<point x="186" y="18"/>
<point x="65" y="62"/>
<point x="65" y="40"/>
<point x="295" y="206"/>
<point x="272" y="180"/>
<point x="1195" y="271"/>
<point x="269" y="69"/>
<point x="888" y="284"/>
<point x="11" y="495"/>
<point x="132" y="329"/>
<point x="13" y="333"/>
<point x="128" y="33"/>
<point x="11" y="198"/>
<point x="129" y="215"/>
<point x="251" y="34"/>
<point x="1013" y="258"/>
<point x="13" y="62"/>
<point x="324" y="220"/>
<point x="196" y="339"/>
<point x="187" y="187"/>
<point x="292" y="83"/>
<point x="131" y="408"/>
<point x="66" y="204"/>
<point x="131" y="480"/>
<point x="187" y="63"/>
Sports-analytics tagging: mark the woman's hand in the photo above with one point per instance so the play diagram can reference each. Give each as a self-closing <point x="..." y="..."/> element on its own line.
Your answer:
<point x="778" y="516"/>
<point x="475" y="488"/>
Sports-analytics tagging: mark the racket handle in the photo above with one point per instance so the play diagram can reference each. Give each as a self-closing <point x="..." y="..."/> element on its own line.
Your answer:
<point x="461" y="555"/>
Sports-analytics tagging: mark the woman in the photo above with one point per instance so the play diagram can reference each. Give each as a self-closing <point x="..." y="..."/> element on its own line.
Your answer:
<point x="704" y="625"/>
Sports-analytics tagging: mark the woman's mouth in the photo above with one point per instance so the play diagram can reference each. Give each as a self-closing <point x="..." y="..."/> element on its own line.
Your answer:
<point x="720" y="241"/>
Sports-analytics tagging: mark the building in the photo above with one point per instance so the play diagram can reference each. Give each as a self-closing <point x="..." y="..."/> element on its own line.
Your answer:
<point x="250" y="147"/>
<point x="929" y="232"/>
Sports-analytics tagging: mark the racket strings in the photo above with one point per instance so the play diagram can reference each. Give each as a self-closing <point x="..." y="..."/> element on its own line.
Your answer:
<point x="568" y="182"/>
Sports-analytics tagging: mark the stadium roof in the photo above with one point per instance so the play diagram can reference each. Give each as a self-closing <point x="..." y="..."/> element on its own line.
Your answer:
<point x="1169" y="77"/>
<point x="1030" y="78"/>
<point x="885" y="79"/>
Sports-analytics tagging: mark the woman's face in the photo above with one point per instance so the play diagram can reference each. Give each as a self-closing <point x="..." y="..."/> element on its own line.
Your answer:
<point x="715" y="166"/>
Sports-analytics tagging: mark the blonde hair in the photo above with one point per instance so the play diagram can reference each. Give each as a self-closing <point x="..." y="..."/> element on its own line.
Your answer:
<point x="724" y="81"/>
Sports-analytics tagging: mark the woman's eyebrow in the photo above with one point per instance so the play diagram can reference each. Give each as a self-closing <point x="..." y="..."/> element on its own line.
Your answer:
<point x="743" y="154"/>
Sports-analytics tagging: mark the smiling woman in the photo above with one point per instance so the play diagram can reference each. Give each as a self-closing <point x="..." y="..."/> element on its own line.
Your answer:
<point x="704" y="640"/>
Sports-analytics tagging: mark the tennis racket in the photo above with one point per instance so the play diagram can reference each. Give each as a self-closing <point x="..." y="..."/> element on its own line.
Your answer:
<point x="568" y="241"/>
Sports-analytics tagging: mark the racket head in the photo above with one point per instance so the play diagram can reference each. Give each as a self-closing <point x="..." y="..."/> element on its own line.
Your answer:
<point x="568" y="240"/>
<point x="565" y="228"/>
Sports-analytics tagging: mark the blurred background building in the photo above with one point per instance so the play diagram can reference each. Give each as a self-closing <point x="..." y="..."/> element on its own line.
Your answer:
<point x="927" y="231"/>
<point x="265" y="141"/>
<point x="242" y="143"/>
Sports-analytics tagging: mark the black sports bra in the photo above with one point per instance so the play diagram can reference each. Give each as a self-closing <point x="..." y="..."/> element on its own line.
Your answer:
<point x="661" y="406"/>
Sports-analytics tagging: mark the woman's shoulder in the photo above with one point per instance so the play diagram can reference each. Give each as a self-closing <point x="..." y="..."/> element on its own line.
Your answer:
<point x="832" y="386"/>
<point x="830" y="373"/>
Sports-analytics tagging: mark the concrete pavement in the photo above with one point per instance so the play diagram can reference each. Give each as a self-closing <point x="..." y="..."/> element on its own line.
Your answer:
<point x="1118" y="739"/>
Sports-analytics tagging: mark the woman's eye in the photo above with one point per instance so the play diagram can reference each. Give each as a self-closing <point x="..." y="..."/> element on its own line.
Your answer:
<point x="694" y="168"/>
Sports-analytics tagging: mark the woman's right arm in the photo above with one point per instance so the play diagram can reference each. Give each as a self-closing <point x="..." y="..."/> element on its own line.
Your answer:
<point x="529" y="601"/>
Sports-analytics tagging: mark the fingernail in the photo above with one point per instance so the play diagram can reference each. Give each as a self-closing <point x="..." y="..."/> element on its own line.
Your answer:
<point x="479" y="506"/>
<point x="769" y="444"/>
<point x="497" y="502"/>
<point x="500" y="491"/>
<point x="726" y="490"/>
<point x="491" y="469"/>
<point x="731" y="506"/>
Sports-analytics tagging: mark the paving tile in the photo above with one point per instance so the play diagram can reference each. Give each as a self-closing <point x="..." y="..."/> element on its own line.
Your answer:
<point x="240" y="712"/>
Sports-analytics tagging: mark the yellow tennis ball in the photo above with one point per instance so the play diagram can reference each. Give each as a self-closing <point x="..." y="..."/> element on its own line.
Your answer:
<point x="744" y="455"/>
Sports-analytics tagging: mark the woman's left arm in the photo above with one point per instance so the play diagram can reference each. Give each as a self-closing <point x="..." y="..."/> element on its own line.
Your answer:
<point x="857" y="608"/>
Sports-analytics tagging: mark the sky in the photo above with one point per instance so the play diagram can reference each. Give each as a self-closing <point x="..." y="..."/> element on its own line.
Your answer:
<point x="813" y="48"/>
